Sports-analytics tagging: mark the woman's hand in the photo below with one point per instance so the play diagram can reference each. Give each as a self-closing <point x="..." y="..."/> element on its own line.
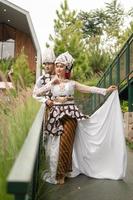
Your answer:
<point x="55" y="80"/>
<point x="111" y="88"/>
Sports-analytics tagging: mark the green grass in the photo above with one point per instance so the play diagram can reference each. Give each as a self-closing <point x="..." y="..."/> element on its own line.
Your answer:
<point x="16" y="117"/>
<point x="129" y="144"/>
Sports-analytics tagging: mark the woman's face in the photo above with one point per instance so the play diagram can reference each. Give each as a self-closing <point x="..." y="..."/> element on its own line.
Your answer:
<point x="60" y="70"/>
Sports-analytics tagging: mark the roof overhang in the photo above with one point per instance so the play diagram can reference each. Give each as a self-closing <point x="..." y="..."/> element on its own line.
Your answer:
<point x="20" y="19"/>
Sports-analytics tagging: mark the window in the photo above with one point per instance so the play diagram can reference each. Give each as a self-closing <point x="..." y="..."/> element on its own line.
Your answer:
<point x="8" y="49"/>
<point x="7" y="41"/>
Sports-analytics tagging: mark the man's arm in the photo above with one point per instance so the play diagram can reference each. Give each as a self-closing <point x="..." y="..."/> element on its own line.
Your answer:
<point x="38" y="96"/>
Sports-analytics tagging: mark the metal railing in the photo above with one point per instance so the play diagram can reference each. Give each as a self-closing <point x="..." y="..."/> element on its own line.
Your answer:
<point x="120" y="73"/>
<point x="22" y="181"/>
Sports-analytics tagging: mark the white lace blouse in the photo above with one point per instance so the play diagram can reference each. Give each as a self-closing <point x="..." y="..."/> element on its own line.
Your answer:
<point x="68" y="87"/>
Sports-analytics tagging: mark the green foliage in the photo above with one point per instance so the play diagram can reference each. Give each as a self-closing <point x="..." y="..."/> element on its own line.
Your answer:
<point x="108" y="24"/>
<point x="16" y="117"/>
<point x="92" y="80"/>
<point x="93" y="38"/>
<point x="115" y="18"/>
<point x="108" y="20"/>
<point x="126" y="33"/>
<point x="5" y="67"/>
<point x="22" y="76"/>
<point x="93" y="22"/>
<point x="5" y="64"/>
<point x="129" y="143"/>
<point x="69" y="37"/>
<point x="99" y="59"/>
<point x="104" y="33"/>
<point x="124" y="106"/>
<point x="90" y="57"/>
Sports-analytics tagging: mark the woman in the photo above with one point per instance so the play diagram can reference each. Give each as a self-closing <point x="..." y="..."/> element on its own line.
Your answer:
<point x="63" y="119"/>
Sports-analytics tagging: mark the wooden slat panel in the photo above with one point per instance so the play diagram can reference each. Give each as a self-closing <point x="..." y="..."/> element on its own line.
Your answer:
<point x="24" y="41"/>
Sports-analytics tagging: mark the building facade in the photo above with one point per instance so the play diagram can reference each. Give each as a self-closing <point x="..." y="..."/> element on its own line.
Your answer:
<point x="17" y="33"/>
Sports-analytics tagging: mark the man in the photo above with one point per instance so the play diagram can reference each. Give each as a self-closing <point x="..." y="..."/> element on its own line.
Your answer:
<point x="49" y="70"/>
<point x="39" y="90"/>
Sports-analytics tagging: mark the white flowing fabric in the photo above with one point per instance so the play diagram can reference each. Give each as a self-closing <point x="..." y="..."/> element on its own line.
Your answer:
<point x="52" y="152"/>
<point x="99" y="148"/>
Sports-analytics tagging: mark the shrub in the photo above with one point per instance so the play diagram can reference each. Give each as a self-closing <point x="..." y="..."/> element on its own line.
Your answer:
<point x="22" y="76"/>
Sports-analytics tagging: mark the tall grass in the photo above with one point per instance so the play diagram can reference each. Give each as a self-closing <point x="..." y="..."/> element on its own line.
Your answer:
<point x="16" y="117"/>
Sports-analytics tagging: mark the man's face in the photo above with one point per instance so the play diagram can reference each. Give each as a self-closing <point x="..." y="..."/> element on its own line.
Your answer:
<point x="49" y="68"/>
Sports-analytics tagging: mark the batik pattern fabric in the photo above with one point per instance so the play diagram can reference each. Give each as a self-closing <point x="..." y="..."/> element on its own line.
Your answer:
<point x="66" y="147"/>
<point x="54" y="123"/>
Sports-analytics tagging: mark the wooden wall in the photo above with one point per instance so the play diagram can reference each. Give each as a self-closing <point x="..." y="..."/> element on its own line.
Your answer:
<point x="24" y="41"/>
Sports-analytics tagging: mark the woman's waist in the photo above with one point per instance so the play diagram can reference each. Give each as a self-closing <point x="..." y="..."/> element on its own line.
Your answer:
<point x="64" y="99"/>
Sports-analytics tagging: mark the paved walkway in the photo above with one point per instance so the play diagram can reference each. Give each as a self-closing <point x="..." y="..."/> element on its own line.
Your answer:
<point x="84" y="188"/>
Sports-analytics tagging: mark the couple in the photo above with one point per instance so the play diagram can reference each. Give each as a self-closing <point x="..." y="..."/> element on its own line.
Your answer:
<point x="77" y="143"/>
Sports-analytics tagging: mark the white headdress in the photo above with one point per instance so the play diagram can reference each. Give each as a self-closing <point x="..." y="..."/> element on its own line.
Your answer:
<point x="48" y="56"/>
<point x="66" y="59"/>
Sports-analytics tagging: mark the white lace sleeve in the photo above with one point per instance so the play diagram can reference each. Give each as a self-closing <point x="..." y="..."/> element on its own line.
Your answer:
<point x="88" y="89"/>
<point x="38" y="91"/>
<point x="36" y="87"/>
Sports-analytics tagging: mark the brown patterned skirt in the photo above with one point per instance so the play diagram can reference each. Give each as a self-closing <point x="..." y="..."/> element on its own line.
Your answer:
<point x="54" y="124"/>
<point x="66" y="146"/>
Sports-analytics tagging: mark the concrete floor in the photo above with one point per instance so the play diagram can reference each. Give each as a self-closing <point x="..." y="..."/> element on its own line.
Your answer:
<point x="85" y="188"/>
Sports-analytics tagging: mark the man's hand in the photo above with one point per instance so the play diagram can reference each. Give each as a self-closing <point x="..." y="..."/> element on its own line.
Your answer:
<point x="49" y="103"/>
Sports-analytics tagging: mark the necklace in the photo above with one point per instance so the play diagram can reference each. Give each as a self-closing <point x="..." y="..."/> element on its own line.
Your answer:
<point x="62" y="86"/>
<point x="63" y="80"/>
